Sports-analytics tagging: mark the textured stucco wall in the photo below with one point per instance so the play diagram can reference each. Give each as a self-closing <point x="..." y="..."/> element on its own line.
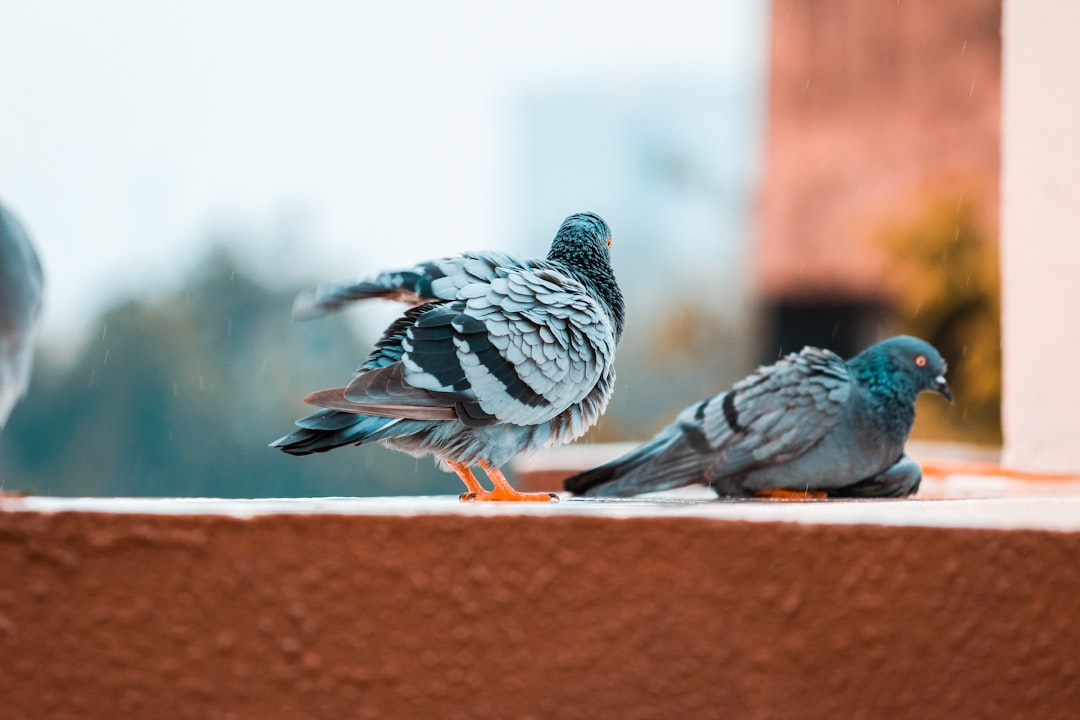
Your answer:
<point x="1040" y="239"/>
<point x="459" y="616"/>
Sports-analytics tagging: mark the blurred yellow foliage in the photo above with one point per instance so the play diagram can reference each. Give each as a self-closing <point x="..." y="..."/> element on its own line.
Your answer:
<point x="944" y="264"/>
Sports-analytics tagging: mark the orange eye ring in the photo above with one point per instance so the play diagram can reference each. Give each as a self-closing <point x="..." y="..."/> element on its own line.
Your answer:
<point x="920" y="361"/>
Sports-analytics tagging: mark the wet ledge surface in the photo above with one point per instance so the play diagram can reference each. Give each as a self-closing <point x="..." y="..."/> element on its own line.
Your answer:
<point x="1048" y="510"/>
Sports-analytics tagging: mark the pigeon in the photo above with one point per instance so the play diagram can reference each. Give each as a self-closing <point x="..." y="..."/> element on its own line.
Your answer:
<point x="810" y="424"/>
<point x="21" y="286"/>
<point x="496" y="355"/>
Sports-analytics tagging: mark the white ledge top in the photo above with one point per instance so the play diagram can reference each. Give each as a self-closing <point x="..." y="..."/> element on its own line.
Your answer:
<point x="1039" y="513"/>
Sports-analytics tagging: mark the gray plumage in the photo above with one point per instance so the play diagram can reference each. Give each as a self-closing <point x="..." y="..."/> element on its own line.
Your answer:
<point x="810" y="422"/>
<point x="21" y="287"/>
<point x="497" y="355"/>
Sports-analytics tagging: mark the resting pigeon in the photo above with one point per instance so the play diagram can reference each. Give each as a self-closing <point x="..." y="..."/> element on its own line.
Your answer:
<point x="21" y="284"/>
<point x="498" y="355"/>
<point x="810" y="423"/>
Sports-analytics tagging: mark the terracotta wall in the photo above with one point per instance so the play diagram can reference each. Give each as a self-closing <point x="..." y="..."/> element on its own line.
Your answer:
<point x="872" y="105"/>
<point x="545" y="616"/>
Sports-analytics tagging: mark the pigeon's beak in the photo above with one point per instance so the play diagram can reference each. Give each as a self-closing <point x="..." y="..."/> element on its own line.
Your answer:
<point x="941" y="386"/>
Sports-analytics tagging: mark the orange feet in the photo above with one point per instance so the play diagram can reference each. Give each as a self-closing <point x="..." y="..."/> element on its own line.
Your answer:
<point x="512" y="496"/>
<point x="467" y="477"/>
<point x="502" y="490"/>
<point x="782" y="494"/>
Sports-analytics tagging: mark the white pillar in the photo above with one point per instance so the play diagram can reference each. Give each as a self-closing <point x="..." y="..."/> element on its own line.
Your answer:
<point x="1040" y="234"/>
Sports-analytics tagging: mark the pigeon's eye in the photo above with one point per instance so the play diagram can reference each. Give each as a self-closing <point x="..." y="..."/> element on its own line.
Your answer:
<point x="920" y="360"/>
<point x="609" y="242"/>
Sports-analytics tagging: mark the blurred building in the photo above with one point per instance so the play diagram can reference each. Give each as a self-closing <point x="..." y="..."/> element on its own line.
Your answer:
<point x="875" y="109"/>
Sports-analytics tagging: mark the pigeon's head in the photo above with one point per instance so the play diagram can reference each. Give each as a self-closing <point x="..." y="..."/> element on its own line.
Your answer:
<point x="583" y="240"/>
<point x="582" y="243"/>
<point x="916" y="361"/>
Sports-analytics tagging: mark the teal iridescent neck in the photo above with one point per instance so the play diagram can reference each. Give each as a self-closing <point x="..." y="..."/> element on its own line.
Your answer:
<point x="876" y="372"/>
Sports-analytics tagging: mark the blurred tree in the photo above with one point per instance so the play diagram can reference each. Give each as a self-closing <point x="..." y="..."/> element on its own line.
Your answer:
<point x="181" y="398"/>
<point x="670" y="357"/>
<point x="945" y="265"/>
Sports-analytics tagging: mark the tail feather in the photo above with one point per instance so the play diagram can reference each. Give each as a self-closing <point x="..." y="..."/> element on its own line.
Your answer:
<point x="413" y="287"/>
<point x="646" y="469"/>
<point x="328" y="429"/>
<point x="329" y="298"/>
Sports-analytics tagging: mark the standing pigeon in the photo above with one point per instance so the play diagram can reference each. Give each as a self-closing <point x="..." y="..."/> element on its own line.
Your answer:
<point x="21" y="284"/>
<point x="497" y="355"/>
<point x="808" y="423"/>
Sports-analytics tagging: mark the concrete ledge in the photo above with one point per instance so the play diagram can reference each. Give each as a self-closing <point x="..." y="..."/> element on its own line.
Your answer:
<point x="405" y="607"/>
<point x="1055" y="512"/>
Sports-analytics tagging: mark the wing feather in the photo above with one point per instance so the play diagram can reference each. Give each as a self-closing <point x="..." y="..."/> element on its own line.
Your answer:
<point x="493" y="338"/>
<point x="777" y="413"/>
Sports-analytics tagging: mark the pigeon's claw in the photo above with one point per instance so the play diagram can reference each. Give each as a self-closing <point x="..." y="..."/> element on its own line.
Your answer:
<point x="511" y="496"/>
<point x="502" y="490"/>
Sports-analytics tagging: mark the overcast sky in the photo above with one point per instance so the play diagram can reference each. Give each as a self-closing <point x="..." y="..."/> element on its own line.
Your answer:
<point x="129" y="130"/>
